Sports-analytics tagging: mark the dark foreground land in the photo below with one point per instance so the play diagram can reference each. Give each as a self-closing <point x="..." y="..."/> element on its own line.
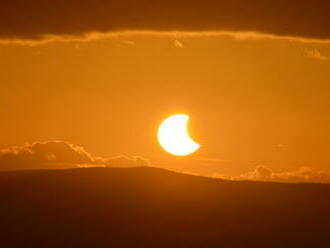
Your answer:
<point x="155" y="208"/>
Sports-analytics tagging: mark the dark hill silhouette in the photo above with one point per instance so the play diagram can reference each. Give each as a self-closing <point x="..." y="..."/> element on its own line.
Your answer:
<point x="149" y="207"/>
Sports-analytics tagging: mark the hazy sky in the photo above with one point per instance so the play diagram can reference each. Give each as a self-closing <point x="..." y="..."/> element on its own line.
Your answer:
<point x="253" y="78"/>
<point x="251" y="101"/>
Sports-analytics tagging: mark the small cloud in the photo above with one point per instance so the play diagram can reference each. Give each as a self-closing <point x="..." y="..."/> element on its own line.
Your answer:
<point x="303" y="174"/>
<point x="129" y="42"/>
<point x="263" y="172"/>
<point x="316" y="54"/>
<point x="178" y="43"/>
<point x="124" y="161"/>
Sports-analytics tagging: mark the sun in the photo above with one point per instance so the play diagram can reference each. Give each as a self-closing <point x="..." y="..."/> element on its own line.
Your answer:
<point x="173" y="136"/>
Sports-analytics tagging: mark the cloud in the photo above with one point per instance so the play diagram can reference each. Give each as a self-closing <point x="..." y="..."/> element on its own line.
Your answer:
<point x="59" y="155"/>
<point x="129" y="42"/>
<point x="303" y="174"/>
<point x="124" y="161"/>
<point x="178" y="44"/>
<point x="316" y="54"/>
<point x="62" y="155"/>
<point x="35" y="19"/>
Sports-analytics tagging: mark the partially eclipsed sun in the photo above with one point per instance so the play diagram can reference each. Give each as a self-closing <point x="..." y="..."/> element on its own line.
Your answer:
<point x="174" y="138"/>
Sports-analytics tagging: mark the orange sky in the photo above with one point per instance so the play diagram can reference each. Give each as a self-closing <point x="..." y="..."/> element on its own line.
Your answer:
<point x="251" y="101"/>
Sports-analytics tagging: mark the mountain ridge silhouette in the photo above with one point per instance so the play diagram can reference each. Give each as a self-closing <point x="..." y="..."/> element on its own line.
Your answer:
<point x="152" y="207"/>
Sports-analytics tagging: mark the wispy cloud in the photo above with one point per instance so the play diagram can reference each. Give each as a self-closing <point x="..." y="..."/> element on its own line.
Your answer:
<point x="316" y="54"/>
<point x="178" y="44"/>
<point x="129" y="42"/>
<point x="303" y="174"/>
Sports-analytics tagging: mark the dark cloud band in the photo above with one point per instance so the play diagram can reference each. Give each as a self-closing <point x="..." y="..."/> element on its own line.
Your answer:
<point x="35" y="19"/>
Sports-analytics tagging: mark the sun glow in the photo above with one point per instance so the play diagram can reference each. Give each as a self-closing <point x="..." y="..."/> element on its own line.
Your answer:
<point x="174" y="138"/>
